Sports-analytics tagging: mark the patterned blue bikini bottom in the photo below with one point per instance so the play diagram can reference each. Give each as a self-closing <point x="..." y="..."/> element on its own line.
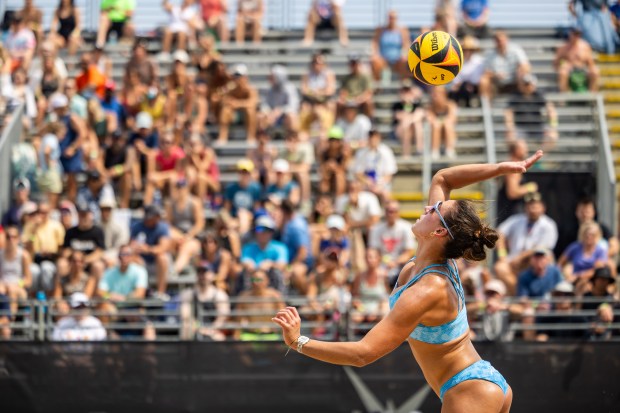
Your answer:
<point x="480" y="370"/>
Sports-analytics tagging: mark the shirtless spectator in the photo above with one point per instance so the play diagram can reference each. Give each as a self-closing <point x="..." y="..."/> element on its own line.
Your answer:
<point x="249" y="15"/>
<point x="326" y="14"/>
<point x="574" y="62"/>
<point x="390" y="45"/>
<point x="241" y="97"/>
<point x="505" y="66"/>
<point x="256" y="307"/>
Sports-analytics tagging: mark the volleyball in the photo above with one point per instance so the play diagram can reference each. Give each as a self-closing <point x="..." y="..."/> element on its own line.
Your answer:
<point x="435" y="58"/>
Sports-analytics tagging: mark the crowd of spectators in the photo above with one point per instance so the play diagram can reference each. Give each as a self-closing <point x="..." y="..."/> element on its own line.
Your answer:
<point x="122" y="197"/>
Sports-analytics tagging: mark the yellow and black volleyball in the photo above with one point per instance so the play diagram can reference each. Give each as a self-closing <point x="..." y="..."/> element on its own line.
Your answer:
<point x="435" y="58"/>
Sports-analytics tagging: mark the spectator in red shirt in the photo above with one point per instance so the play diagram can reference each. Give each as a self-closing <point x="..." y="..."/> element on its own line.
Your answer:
<point x="162" y="166"/>
<point x="204" y="162"/>
<point x="214" y="17"/>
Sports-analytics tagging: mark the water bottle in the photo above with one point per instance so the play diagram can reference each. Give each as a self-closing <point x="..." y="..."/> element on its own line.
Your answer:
<point x="113" y="38"/>
<point x="41" y="298"/>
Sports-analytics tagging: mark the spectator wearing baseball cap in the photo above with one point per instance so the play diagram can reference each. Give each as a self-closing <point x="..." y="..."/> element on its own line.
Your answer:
<point x="79" y="325"/>
<point x="96" y="189"/>
<point x="117" y="116"/>
<point x="356" y="87"/>
<point x="334" y="160"/>
<point x="115" y="231"/>
<point x="150" y="238"/>
<point x="541" y="276"/>
<point x="284" y="187"/>
<point x="265" y="253"/>
<point x="241" y="198"/>
<point x="337" y="241"/>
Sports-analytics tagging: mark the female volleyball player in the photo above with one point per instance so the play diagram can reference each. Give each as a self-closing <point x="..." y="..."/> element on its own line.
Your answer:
<point x="427" y="304"/>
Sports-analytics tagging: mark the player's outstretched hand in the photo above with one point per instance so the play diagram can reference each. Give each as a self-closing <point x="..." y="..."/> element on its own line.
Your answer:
<point x="521" y="166"/>
<point x="288" y="318"/>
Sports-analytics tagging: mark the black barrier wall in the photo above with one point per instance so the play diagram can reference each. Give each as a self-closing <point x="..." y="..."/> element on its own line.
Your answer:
<point x="256" y="377"/>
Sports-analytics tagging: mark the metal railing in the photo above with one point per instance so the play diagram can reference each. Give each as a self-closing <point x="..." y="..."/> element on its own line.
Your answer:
<point x="605" y="171"/>
<point x="490" y="186"/>
<point x="186" y="319"/>
<point x="11" y="134"/>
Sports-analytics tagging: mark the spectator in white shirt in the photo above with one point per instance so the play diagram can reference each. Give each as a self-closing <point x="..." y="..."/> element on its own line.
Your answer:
<point x="466" y="85"/>
<point x="520" y="235"/>
<point x="375" y="165"/>
<point x="355" y="125"/>
<point x="505" y="66"/>
<point x="184" y="19"/>
<point x="394" y="241"/>
<point x="81" y="326"/>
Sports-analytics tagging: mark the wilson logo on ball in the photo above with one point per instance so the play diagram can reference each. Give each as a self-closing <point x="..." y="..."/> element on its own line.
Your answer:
<point x="435" y="58"/>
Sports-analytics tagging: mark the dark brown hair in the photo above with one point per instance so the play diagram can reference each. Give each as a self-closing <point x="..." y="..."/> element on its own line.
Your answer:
<point x="471" y="235"/>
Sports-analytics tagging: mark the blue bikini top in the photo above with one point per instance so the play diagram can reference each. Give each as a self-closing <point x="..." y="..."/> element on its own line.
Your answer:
<point x="450" y="330"/>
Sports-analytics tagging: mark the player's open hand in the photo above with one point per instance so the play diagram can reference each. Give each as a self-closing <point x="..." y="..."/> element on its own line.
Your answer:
<point x="521" y="166"/>
<point x="288" y="318"/>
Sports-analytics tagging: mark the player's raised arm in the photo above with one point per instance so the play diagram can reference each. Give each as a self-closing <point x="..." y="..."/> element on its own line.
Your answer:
<point x="459" y="176"/>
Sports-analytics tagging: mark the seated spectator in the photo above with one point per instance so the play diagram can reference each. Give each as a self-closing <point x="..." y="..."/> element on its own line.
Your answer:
<point x="20" y="44"/>
<point x="21" y="196"/>
<point x="115" y="112"/>
<point x="390" y="45"/>
<point x="599" y="288"/>
<point x="315" y="119"/>
<point x="355" y="126"/>
<point x="595" y="22"/>
<point x="75" y="280"/>
<point x="66" y="27"/>
<point x="77" y="103"/>
<point x="326" y="14"/>
<point x="118" y="160"/>
<point x="256" y="307"/>
<point x="322" y="209"/>
<point x="15" y="90"/>
<point x="446" y="12"/>
<point x="249" y="15"/>
<point x="465" y="88"/>
<point x="15" y="272"/>
<point x="563" y="308"/>
<point x="263" y="254"/>
<point x="96" y="189"/>
<point x="124" y="282"/>
<point x="497" y="313"/>
<point x="512" y="188"/>
<point x="583" y="256"/>
<point x="50" y="82"/>
<point x="220" y="259"/>
<point x="182" y="25"/>
<point x="504" y="67"/>
<point x="142" y="65"/>
<point x="33" y="18"/>
<point x="519" y="235"/>
<point x="87" y="238"/>
<point x="241" y="198"/>
<point x="335" y="241"/>
<point x="375" y="166"/>
<point x="115" y="17"/>
<point x="283" y="187"/>
<point x="394" y="241"/>
<point x="442" y="116"/>
<point x="203" y="161"/>
<point x="145" y="140"/>
<point x="370" y="291"/>
<point x="80" y="325"/>
<point x="102" y="61"/>
<point x="574" y="62"/>
<point x="5" y="313"/>
<point x="210" y="303"/>
<point x="68" y="214"/>
<point x="530" y="116"/>
<point x="214" y="16"/>
<point x="361" y="211"/>
<point x="163" y="165"/>
<point x="333" y="163"/>
<point x="541" y="277"/>
<point x="281" y="104"/>
<point x="295" y="235"/>
<point x="90" y="79"/>
<point x="150" y="238"/>
<point x="186" y="217"/>
<point x="300" y="157"/>
<point x="180" y="90"/>
<point x="408" y="113"/>
<point x="242" y="97"/>
<point x="326" y="292"/>
<point x="115" y="233"/>
<point x="475" y="18"/>
<point x="263" y="155"/>
<point x="585" y="211"/>
<point x="319" y="83"/>
<point x="356" y="87"/>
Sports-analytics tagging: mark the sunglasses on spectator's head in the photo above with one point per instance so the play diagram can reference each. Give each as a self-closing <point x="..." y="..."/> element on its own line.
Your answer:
<point x="435" y="208"/>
